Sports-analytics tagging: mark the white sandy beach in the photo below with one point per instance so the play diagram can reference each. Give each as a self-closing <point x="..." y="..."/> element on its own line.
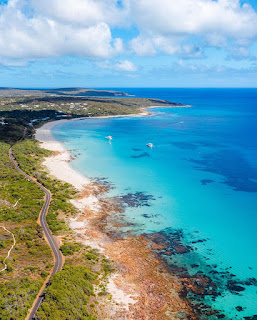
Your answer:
<point x="58" y="165"/>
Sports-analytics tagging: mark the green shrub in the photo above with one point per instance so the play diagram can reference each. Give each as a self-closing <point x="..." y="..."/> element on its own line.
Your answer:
<point x="17" y="297"/>
<point x="68" y="295"/>
<point x="9" y="268"/>
<point x="33" y="251"/>
<point x="44" y="274"/>
<point x="69" y="248"/>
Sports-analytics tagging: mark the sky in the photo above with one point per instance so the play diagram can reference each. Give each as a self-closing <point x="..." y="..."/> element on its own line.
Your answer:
<point x="128" y="43"/>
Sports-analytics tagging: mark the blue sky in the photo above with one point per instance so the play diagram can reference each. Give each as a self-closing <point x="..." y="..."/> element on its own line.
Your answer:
<point x="128" y="43"/>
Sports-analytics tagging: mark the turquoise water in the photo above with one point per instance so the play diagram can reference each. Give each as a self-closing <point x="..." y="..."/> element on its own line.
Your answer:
<point x="200" y="177"/>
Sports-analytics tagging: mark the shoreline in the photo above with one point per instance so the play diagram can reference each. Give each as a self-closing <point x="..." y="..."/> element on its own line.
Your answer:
<point x="143" y="113"/>
<point x="137" y="286"/>
<point x="61" y="156"/>
<point x="59" y="164"/>
<point x="45" y="137"/>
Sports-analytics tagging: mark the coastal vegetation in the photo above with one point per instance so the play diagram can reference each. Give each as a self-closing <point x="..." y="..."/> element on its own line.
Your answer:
<point x="30" y="261"/>
<point x="75" y="106"/>
<point x="77" y="291"/>
<point x="20" y="114"/>
<point x="71" y="92"/>
<point x="29" y="156"/>
<point x="70" y="288"/>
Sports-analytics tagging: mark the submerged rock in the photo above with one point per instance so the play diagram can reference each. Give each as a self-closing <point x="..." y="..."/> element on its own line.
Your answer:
<point x="239" y="308"/>
<point x="233" y="287"/>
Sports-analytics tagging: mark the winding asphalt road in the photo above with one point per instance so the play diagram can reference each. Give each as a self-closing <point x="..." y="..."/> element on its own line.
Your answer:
<point x="50" y="238"/>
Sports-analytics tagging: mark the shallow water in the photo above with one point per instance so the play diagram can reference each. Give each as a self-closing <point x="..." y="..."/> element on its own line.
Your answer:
<point x="201" y="176"/>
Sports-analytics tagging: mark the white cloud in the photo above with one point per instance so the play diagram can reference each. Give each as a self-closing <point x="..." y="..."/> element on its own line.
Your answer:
<point x="143" y="46"/>
<point x="83" y="12"/>
<point x="167" y="25"/>
<point x="122" y="65"/>
<point x="35" y="29"/>
<point x="172" y="17"/>
<point x="125" y="65"/>
<point x="149" y="45"/>
<point x="240" y="53"/>
<point x="40" y="35"/>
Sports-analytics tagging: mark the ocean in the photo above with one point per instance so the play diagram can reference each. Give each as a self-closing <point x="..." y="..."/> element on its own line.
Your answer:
<point x="200" y="178"/>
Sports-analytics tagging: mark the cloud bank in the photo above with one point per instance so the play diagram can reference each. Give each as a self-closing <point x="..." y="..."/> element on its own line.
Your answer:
<point x="180" y="26"/>
<point x="40" y="29"/>
<point x="33" y="29"/>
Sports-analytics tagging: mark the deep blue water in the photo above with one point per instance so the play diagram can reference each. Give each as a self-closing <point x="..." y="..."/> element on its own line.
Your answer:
<point x="201" y="176"/>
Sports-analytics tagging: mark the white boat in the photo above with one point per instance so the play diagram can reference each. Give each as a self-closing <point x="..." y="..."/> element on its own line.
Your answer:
<point x="110" y="138"/>
<point x="150" y="145"/>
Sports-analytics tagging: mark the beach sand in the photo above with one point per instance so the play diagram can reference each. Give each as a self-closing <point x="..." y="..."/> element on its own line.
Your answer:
<point x="142" y="288"/>
<point x="58" y="166"/>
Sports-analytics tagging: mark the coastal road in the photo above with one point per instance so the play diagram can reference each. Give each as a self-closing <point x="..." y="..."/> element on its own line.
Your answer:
<point x="58" y="258"/>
